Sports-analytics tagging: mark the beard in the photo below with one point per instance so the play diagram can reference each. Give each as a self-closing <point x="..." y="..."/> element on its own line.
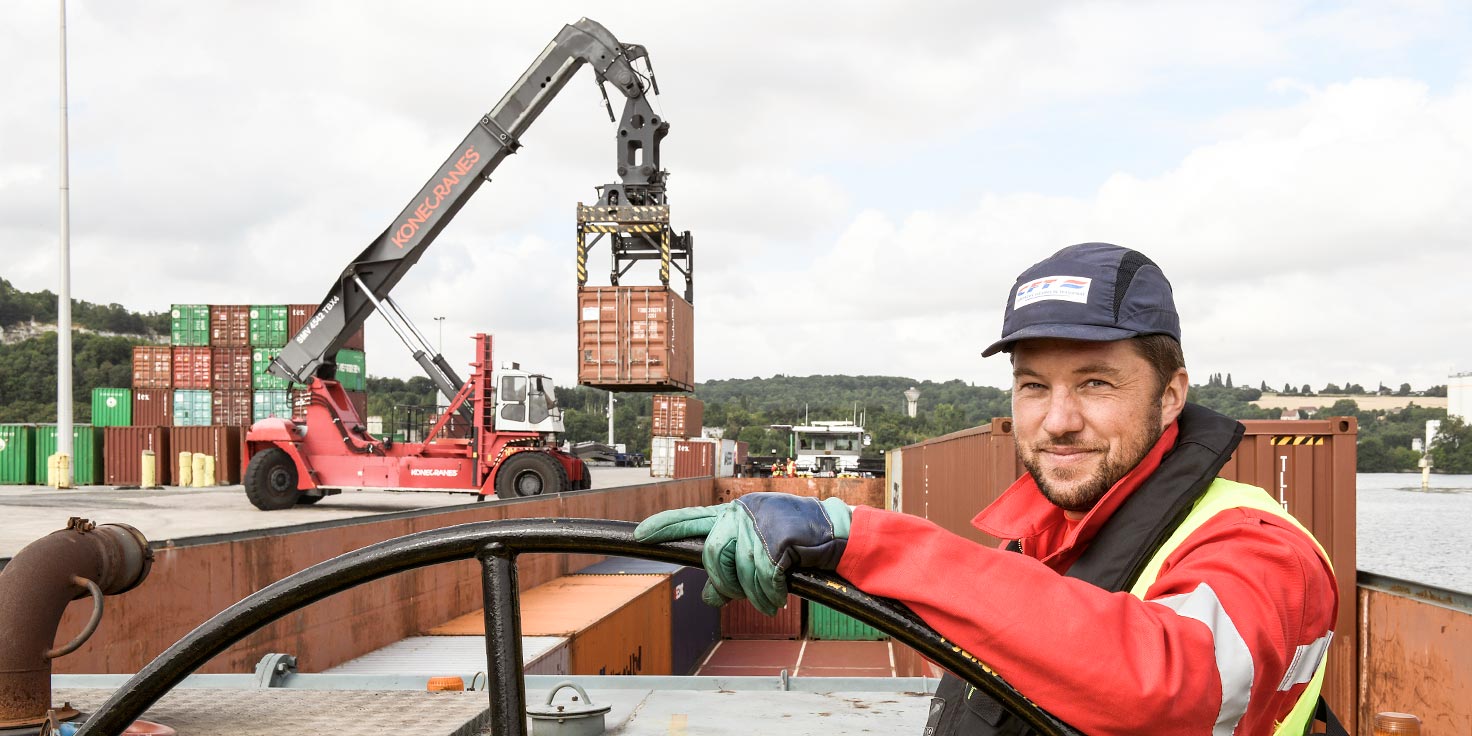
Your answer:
<point x="1080" y="496"/>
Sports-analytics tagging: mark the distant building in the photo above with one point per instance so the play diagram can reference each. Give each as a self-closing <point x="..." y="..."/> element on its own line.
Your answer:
<point x="1459" y="395"/>
<point x="1289" y="414"/>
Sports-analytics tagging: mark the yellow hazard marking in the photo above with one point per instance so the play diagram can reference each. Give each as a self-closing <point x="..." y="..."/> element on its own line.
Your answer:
<point x="1299" y="439"/>
<point x="837" y="586"/>
<point x="624" y="228"/>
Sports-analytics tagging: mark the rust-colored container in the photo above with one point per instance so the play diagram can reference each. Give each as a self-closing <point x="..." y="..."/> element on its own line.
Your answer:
<point x="153" y="407"/>
<point x="220" y="442"/>
<point x="694" y="459"/>
<point x="122" y="454"/>
<point x="676" y="416"/>
<point x="635" y="338"/>
<point x="153" y="366"/>
<point x="743" y="451"/>
<point x="950" y="478"/>
<point x="232" y="407"/>
<point x="231" y="368"/>
<point x="741" y="620"/>
<point x="359" y="400"/>
<point x="230" y="325"/>
<point x="297" y="316"/>
<point x="193" y="367"/>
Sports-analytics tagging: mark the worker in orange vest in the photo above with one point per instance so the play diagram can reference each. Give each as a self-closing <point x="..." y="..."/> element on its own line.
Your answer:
<point x="776" y="469"/>
<point x="791" y="468"/>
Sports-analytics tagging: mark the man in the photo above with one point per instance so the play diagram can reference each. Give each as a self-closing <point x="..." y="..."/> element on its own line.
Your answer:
<point x="1230" y="600"/>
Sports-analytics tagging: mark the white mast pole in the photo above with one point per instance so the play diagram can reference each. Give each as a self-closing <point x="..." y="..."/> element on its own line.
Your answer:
<point x="64" y="295"/>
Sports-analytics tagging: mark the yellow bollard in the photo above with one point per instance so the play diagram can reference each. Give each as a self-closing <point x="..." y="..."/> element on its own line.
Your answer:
<point x="58" y="471"/>
<point x="148" y="470"/>
<point x="186" y="470"/>
<point x="198" y="468"/>
<point x="209" y="470"/>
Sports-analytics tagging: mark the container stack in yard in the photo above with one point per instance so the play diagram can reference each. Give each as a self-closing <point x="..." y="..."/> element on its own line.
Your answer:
<point x="674" y="418"/>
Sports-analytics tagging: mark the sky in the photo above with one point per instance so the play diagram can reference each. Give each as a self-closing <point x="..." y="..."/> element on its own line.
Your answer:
<point x="864" y="180"/>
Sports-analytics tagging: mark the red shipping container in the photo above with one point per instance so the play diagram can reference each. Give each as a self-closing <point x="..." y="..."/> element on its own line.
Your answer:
<point x="741" y="620"/>
<point x="153" y="407"/>
<point x="153" y="366"/>
<point x="192" y="368"/>
<point x="122" y="456"/>
<point x="297" y="316"/>
<point x="230" y="325"/>
<point x="635" y="338"/>
<point x="694" y="459"/>
<point x="677" y="416"/>
<point x="231" y="368"/>
<point x="232" y="407"/>
<point x="220" y="442"/>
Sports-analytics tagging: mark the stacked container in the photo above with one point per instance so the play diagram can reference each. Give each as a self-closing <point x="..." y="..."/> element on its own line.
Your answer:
<point x="267" y="404"/>
<point x="192" y="408"/>
<point x="153" y="366"/>
<point x="17" y="454"/>
<point x="231" y="369"/>
<point x="268" y="325"/>
<point x="112" y="407"/>
<point x="261" y="377"/>
<point x="190" y="325"/>
<point x="673" y="418"/>
<point x="193" y="368"/>
<point x="352" y="371"/>
<point x="153" y="407"/>
<point x="232" y="407"/>
<point x="694" y="459"/>
<point x="230" y="326"/>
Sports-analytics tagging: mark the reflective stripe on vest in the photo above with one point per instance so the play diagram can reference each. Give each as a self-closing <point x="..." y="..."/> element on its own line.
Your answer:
<point x="1202" y="605"/>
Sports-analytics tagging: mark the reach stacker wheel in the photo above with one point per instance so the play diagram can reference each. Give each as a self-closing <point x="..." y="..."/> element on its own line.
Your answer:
<point x="530" y="473"/>
<point x="270" y="481"/>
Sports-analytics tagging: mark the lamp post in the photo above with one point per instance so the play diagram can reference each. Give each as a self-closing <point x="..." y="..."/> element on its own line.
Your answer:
<point x="64" y="298"/>
<point x="441" y="347"/>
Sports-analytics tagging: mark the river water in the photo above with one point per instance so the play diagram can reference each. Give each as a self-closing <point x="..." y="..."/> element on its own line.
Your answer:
<point x="1416" y="535"/>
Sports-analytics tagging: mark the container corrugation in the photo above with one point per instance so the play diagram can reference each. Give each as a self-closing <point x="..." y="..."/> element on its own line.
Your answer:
<point x="230" y="325"/>
<point x="231" y="408"/>
<point x="694" y="459"/>
<point x="454" y="655"/>
<point x="950" y="478"/>
<point x="189" y="325"/>
<point x="297" y="316"/>
<point x="267" y="404"/>
<point x="122" y="456"/>
<point x="741" y="620"/>
<point x="17" y="454"/>
<point x="352" y="370"/>
<point x="261" y="377"/>
<point x="220" y="442"/>
<point x="268" y="325"/>
<point x="87" y="446"/>
<point x="193" y="408"/>
<point x="153" y="407"/>
<point x="112" y="407"/>
<point x="826" y="623"/>
<point x="231" y="369"/>
<point x="635" y="338"/>
<point x="662" y="457"/>
<point x="676" y="416"/>
<point x="193" y="367"/>
<point x="153" y="366"/>
<point x="743" y="451"/>
<point x="694" y="626"/>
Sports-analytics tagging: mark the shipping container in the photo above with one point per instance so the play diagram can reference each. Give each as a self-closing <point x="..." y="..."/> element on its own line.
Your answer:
<point x="112" y="407"/>
<point x="231" y="369"/>
<point x="741" y="620"/>
<point x="826" y="623"/>
<point x="267" y="404"/>
<point x="694" y="459"/>
<point x="662" y="457"/>
<point x="676" y="416"/>
<point x="122" y="456"/>
<point x="17" y="454"/>
<point x="297" y="316"/>
<point x="230" y="326"/>
<point x="635" y="338"/>
<point x="153" y="366"/>
<point x="694" y="626"/>
<point x="232" y="408"/>
<point x="87" y="446"/>
<point x="261" y="377"/>
<point x="359" y="400"/>
<point x="454" y="655"/>
<point x="193" y="408"/>
<point x="352" y="370"/>
<point x="268" y="325"/>
<point x="743" y="452"/>
<point x="193" y="367"/>
<point x="153" y="407"/>
<point x="189" y="326"/>
<point x="219" y="442"/>
<point x="726" y="459"/>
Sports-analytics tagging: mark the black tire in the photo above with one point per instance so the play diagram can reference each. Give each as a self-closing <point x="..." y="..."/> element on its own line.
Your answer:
<point x="270" y="481"/>
<point x="587" y="479"/>
<point x="529" y="473"/>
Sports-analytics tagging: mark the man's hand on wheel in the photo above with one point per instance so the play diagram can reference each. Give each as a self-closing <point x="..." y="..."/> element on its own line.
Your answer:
<point x="751" y="543"/>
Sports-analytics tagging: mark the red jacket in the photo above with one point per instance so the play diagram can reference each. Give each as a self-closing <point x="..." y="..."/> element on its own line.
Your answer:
<point x="1108" y="663"/>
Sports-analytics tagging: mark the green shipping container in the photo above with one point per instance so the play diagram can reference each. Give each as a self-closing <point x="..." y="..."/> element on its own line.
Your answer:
<point x="267" y="404"/>
<point x="112" y="407"/>
<point x="17" y="454"/>
<point x="352" y="370"/>
<point x="260" y="362"/>
<point x="826" y="623"/>
<point x="268" y="325"/>
<point x="193" y="408"/>
<point x="191" y="325"/>
<point x="86" y="452"/>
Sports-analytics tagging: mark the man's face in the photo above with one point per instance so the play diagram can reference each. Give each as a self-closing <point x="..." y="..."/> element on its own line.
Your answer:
<point x="1085" y="413"/>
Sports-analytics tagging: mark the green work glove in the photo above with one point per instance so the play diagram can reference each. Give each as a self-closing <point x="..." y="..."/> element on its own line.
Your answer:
<point x="752" y="542"/>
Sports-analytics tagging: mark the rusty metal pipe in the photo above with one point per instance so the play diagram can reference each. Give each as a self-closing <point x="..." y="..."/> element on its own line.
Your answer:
<point x="82" y="560"/>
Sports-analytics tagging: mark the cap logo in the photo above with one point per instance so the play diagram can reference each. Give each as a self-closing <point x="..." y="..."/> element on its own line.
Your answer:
<point x="1061" y="288"/>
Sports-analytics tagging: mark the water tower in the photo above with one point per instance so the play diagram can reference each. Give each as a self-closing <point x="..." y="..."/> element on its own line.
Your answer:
<point x="912" y="400"/>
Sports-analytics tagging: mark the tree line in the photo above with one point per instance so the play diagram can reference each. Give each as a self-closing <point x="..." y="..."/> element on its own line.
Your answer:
<point x="18" y="307"/>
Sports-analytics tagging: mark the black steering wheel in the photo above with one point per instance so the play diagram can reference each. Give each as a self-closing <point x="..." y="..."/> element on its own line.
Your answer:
<point x="496" y="544"/>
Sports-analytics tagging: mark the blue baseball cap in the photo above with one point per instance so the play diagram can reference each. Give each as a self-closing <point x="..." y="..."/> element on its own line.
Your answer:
<point x="1090" y="291"/>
